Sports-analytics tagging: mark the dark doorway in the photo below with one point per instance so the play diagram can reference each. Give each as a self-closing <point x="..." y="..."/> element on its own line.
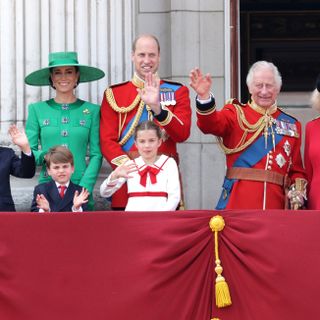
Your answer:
<point x="285" y="32"/>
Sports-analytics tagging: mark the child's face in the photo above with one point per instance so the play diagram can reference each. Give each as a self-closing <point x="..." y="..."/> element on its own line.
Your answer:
<point x="60" y="172"/>
<point x="147" y="143"/>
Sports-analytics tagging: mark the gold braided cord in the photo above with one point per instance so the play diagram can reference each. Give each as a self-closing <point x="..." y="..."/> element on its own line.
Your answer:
<point x="243" y="121"/>
<point x="133" y="125"/>
<point x="239" y="147"/>
<point x="112" y="102"/>
<point x="261" y="125"/>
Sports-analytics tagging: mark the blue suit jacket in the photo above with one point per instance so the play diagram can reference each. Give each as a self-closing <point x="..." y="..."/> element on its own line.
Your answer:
<point x="10" y="164"/>
<point x="57" y="204"/>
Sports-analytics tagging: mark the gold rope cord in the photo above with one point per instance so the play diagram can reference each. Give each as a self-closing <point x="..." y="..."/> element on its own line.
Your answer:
<point x="262" y="124"/>
<point x="124" y="110"/>
<point x="133" y="125"/>
<point x="111" y="100"/>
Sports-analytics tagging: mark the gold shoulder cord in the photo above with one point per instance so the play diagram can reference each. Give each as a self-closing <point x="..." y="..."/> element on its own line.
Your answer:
<point x="114" y="106"/>
<point x="124" y="110"/>
<point x="257" y="128"/>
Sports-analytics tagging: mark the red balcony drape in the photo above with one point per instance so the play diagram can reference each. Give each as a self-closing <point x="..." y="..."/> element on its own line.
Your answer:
<point x="119" y="266"/>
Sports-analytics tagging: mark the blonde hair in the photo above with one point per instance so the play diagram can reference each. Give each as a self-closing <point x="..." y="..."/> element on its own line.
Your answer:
<point x="315" y="100"/>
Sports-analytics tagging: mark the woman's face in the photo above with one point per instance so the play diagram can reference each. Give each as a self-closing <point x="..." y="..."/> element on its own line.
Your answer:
<point x="64" y="79"/>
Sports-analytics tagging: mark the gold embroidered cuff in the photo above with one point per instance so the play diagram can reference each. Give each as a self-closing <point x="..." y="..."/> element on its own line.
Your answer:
<point x="167" y="120"/>
<point x="206" y="112"/>
<point x="118" y="161"/>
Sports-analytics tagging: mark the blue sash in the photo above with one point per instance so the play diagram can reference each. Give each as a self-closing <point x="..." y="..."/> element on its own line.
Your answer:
<point x="251" y="156"/>
<point x="144" y="117"/>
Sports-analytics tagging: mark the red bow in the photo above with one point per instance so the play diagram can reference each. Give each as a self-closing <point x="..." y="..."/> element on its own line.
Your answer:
<point x="152" y="174"/>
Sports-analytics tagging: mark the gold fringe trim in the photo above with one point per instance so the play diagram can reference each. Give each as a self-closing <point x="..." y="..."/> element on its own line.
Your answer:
<point x="118" y="161"/>
<point x="223" y="298"/>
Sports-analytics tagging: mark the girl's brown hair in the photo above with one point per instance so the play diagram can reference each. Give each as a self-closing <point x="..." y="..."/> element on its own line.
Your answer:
<point x="148" y="125"/>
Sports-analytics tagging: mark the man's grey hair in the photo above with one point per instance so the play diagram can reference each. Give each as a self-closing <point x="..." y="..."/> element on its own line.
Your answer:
<point x="264" y="65"/>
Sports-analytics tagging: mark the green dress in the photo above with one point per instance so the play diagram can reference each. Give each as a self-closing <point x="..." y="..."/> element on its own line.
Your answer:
<point x="74" y="125"/>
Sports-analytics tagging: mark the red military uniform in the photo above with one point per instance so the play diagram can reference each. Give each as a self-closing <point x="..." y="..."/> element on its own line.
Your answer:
<point x="122" y="110"/>
<point x="262" y="153"/>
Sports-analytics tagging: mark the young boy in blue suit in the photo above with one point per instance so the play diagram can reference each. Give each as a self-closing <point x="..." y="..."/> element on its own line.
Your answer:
<point x="59" y="194"/>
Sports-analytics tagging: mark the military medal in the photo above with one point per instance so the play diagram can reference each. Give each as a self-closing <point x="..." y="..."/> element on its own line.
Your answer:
<point x="172" y="100"/>
<point x="287" y="148"/>
<point x="167" y="97"/>
<point x="286" y="128"/>
<point x="162" y="99"/>
<point x="281" y="161"/>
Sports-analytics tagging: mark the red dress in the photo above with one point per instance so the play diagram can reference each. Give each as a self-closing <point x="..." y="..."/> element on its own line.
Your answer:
<point x="312" y="162"/>
<point x="122" y="109"/>
<point x="283" y="157"/>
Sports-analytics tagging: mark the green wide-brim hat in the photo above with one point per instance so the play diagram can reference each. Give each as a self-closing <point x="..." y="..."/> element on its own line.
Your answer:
<point x="63" y="59"/>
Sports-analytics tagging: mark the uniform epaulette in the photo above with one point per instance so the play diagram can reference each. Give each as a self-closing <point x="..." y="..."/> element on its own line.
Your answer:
<point x="172" y="82"/>
<point x="288" y="114"/>
<point x="118" y="84"/>
<point x="235" y="101"/>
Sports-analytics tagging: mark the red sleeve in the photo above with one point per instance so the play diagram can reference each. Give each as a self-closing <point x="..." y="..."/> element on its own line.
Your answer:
<point x="178" y="128"/>
<point x="109" y="128"/>
<point x="218" y="123"/>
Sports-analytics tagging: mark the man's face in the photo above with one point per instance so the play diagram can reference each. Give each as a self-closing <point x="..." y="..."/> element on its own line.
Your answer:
<point x="264" y="89"/>
<point x="146" y="57"/>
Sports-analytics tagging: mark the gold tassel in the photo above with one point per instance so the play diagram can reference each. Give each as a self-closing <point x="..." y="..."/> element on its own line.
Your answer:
<point x="223" y="298"/>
